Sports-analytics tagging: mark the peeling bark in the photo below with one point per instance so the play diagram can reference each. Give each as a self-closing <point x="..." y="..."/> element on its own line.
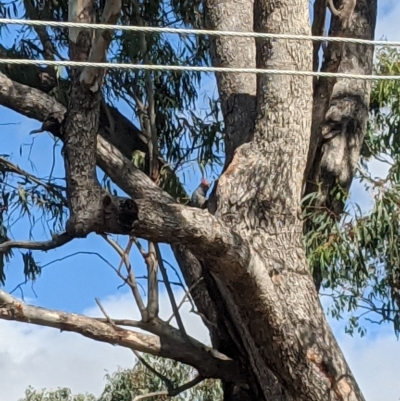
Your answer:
<point x="341" y="108"/>
<point x="340" y="114"/>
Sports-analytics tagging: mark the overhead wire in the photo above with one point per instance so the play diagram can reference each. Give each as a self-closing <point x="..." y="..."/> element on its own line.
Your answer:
<point x="185" y="31"/>
<point x="155" y="67"/>
<point x="180" y="31"/>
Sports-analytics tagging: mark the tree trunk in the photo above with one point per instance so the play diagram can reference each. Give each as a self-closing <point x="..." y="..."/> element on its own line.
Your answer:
<point x="245" y="258"/>
<point x="258" y="196"/>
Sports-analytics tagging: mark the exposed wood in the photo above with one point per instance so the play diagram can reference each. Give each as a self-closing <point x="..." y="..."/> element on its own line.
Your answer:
<point x="166" y="341"/>
<point x="93" y="77"/>
<point x="341" y="109"/>
<point x="345" y="12"/>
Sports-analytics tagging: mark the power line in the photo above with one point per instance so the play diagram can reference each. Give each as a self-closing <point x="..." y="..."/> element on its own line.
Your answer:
<point x="181" y="31"/>
<point x="198" y="69"/>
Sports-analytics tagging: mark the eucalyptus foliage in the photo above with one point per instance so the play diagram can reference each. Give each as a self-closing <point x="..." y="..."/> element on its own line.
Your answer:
<point x="126" y="384"/>
<point x="358" y="253"/>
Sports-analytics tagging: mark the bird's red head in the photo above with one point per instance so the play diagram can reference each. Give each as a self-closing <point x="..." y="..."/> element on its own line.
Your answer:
<point x="204" y="183"/>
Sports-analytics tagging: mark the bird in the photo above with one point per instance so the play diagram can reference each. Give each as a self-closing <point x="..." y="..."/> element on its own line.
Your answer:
<point x="198" y="198"/>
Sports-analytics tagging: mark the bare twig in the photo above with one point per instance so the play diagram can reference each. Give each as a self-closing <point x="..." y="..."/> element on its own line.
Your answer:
<point x="55" y="242"/>
<point x="186" y="295"/>
<point x="152" y="282"/>
<point x="130" y="280"/>
<point x="168" y="287"/>
<point x="109" y="320"/>
<point x="173" y="392"/>
<point x="175" y="270"/>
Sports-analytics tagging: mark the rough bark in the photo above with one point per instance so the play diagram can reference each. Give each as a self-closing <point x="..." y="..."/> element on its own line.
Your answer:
<point x="236" y="91"/>
<point x="262" y="298"/>
<point x="259" y="196"/>
<point x="340" y="113"/>
<point x="341" y="107"/>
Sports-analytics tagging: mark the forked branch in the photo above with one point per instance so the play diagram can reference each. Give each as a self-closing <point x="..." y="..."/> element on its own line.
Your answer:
<point x="90" y="76"/>
<point x="345" y="12"/>
<point x="167" y="343"/>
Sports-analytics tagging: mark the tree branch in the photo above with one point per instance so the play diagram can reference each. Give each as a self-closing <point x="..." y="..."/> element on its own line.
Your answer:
<point x="48" y="48"/>
<point x="173" y="223"/>
<point x="174" y="391"/>
<point x="171" y="296"/>
<point x="52" y="188"/>
<point x="113" y="158"/>
<point x="55" y="242"/>
<point x="130" y="279"/>
<point x="91" y="76"/>
<point x="167" y="343"/>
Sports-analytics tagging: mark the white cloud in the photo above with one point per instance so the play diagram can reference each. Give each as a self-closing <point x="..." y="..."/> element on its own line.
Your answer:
<point x="45" y="358"/>
<point x="388" y="20"/>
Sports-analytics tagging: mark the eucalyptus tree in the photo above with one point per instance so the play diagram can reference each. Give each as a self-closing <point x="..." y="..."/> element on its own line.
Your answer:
<point x="285" y="138"/>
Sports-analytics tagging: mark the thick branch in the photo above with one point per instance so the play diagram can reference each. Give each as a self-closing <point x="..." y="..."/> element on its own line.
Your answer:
<point x="91" y="76"/>
<point x="169" y="344"/>
<point x="178" y="224"/>
<point x="28" y="101"/>
<point x="236" y="91"/>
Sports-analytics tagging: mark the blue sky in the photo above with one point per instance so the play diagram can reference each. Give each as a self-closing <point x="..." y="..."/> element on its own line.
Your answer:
<point x="77" y="276"/>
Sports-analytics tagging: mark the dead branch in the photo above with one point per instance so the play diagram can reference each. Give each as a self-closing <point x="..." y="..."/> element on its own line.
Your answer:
<point x="171" y="296"/>
<point x="130" y="280"/>
<point x="186" y="295"/>
<point x="152" y="282"/>
<point x="169" y="344"/>
<point x="109" y="320"/>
